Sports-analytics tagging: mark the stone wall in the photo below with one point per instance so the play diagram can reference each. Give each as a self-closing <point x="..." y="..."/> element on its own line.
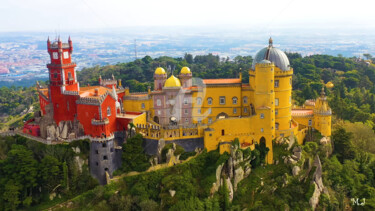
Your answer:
<point x="190" y="144"/>
<point x="104" y="157"/>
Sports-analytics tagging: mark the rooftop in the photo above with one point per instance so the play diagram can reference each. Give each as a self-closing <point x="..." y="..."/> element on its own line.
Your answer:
<point x="222" y="81"/>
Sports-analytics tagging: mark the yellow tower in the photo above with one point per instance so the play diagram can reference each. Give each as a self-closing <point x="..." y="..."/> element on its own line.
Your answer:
<point x="265" y="105"/>
<point x="322" y="115"/>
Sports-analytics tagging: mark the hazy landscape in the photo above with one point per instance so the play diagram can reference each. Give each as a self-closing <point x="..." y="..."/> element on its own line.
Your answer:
<point x="23" y="56"/>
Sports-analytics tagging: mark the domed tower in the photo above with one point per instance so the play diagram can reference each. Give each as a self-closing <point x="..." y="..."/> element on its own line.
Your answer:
<point x="159" y="78"/>
<point x="264" y="105"/>
<point x="322" y="115"/>
<point x="282" y="84"/>
<point x="185" y="77"/>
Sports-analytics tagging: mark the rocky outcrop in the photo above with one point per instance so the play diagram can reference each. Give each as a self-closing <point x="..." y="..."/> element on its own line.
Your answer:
<point x="296" y="170"/>
<point x="318" y="183"/>
<point x="161" y="145"/>
<point x="171" y="159"/>
<point x="65" y="130"/>
<point x="233" y="171"/>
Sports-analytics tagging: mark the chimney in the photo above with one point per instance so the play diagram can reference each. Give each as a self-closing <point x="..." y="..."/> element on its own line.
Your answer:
<point x="96" y="92"/>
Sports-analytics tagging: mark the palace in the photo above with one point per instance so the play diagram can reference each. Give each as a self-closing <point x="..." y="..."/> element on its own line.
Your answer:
<point x="203" y="113"/>
<point x="219" y="110"/>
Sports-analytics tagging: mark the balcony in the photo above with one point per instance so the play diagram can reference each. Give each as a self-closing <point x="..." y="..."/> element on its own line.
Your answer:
<point x="100" y="122"/>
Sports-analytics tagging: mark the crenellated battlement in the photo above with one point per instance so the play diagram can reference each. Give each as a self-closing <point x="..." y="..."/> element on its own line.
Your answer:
<point x="65" y="92"/>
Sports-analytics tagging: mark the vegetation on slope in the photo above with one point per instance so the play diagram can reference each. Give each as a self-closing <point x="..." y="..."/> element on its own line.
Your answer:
<point x="31" y="172"/>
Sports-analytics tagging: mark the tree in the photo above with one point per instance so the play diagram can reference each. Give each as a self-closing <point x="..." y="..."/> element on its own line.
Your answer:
<point x="367" y="55"/>
<point x="50" y="172"/>
<point x="133" y="156"/>
<point x="343" y="146"/>
<point x="11" y="195"/>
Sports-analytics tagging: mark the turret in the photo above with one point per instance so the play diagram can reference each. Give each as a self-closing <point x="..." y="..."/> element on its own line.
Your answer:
<point x="48" y="44"/>
<point x="160" y="76"/>
<point x="70" y="45"/>
<point x="100" y="79"/>
<point x="186" y="77"/>
<point x="59" y="43"/>
<point x="322" y="115"/>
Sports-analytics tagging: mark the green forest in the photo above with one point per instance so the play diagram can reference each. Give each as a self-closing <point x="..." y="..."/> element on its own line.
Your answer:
<point x="29" y="171"/>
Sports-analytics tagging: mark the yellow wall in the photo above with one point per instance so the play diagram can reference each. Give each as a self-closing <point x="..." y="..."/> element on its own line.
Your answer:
<point x="323" y="124"/>
<point x="215" y="93"/>
<point x="136" y="105"/>
<point x="284" y="94"/>
<point x="141" y="119"/>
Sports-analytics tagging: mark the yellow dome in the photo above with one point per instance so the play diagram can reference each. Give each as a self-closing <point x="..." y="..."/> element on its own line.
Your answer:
<point x="330" y="84"/>
<point x="172" y="82"/>
<point x="159" y="71"/>
<point x="185" y="70"/>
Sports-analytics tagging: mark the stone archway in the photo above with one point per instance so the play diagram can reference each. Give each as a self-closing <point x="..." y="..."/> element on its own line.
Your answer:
<point x="262" y="142"/>
<point x="156" y="119"/>
<point x="222" y="115"/>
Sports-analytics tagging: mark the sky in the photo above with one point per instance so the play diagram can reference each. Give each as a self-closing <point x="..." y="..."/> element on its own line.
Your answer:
<point x="103" y="15"/>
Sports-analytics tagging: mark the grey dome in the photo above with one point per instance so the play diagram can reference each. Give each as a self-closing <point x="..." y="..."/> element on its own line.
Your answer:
<point x="274" y="55"/>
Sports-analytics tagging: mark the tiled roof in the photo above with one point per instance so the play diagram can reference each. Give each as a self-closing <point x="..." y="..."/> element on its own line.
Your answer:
<point x="222" y="81"/>
<point x="302" y="112"/>
<point x="90" y="91"/>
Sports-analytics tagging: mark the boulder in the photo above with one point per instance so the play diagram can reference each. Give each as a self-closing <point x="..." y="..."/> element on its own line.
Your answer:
<point x="324" y="141"/>
<point x="294" y="157"/>
<point x="291" y="142"/>
<point x="296" y="170"/>
<point x="172" y="192"/>
<point x="292" y="161"/>
<point x="230" y="188"/>
<point x="238" y="177"/>
<point x="230" y="167"/>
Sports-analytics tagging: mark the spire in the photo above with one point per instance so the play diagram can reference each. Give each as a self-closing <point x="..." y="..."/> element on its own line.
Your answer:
<point x="59" y="40"/>
<point x="114" y="92"/>
<point x="48" y="41"/>
<point x="113" y="77"/>
<point x="322" y="93"/>
<point x="69" y="39"/>
<point x="270" y="42"/>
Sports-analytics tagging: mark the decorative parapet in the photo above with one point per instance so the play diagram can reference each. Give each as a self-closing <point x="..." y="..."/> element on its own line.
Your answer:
<point x="100" y="122"/>
<point x="102" y="139"/>
<point x="129" y="97"/>
<point x="73" y="64"/>
<point x="284" y="73"/>
<point x="89" y="101"/>
<point x="323" y="112"/>
<point x="65" y="92"/>
<point x="105" y="82"/>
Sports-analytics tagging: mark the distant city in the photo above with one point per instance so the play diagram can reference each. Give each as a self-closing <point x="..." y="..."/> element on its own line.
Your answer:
<point x="23" y="58"/>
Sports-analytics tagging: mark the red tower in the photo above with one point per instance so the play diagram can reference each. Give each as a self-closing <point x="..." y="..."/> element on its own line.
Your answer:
<point x="63" y="87"/>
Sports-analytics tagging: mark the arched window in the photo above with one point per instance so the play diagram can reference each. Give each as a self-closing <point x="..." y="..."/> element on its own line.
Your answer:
<point x="143" y="106"/>
<point x="209" y="101"/>
<point x="234" y="100"/>
<point x="199" y="101"/>
<point x="245" y="100"/>
<point x="276" y="125"/>
<point x="108" y="111"/>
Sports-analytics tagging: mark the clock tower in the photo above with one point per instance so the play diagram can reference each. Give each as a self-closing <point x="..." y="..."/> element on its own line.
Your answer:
<point x="64" y="88"/>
